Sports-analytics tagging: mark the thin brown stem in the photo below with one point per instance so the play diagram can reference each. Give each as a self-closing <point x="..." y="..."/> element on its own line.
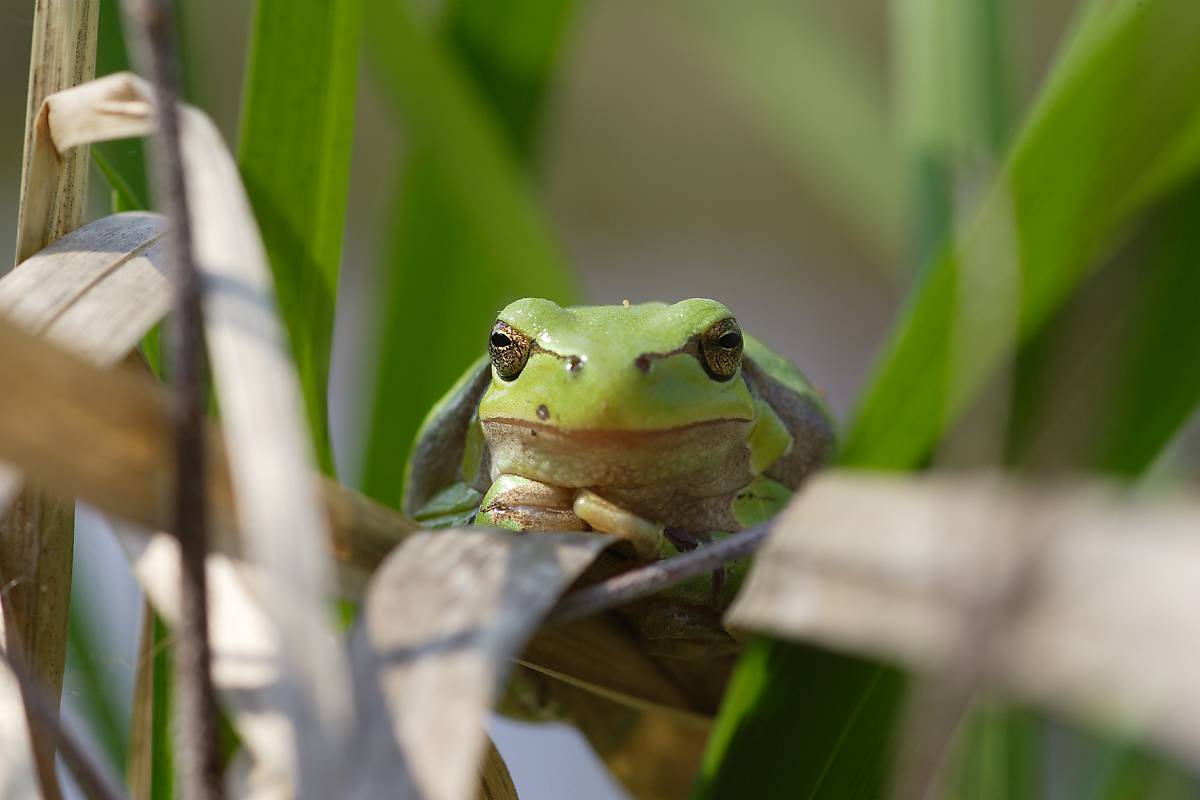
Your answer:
<point x="93" y="780"/>
<point x="201" y="771"/>
<point x="653" y="578"/>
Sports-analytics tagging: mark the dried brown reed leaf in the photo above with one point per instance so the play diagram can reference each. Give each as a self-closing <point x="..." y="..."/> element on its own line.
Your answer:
<point x="245" y="652"/>
<point x="655" y="755"/>
<point x="602" y="655"/>
<point x="96" y="434"/>
<point x="444" y="616"/>
<point x="95" y="291"/>
<point x="897" y="568"/>
<point x="269" y="456"/>
<point x="62" y="403"/>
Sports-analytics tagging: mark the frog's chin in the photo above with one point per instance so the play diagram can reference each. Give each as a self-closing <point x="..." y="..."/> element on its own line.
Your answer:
<point x="699" y="460"/>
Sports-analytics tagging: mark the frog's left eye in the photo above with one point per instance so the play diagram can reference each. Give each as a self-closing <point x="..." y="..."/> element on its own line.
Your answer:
<point x="509" y="350"/>
<point x="721" y="349"/>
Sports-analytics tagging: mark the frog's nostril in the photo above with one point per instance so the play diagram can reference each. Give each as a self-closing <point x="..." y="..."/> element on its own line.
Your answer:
<point x="574" y="364"/>
<point x="543" y="412"/>
<point x="642" y="362"/>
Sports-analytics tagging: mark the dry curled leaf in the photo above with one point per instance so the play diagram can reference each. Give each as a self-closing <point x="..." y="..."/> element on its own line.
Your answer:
<point x="269" y="456"/>
<point x="444" y="616"/>
<point x="1102" y="625"/>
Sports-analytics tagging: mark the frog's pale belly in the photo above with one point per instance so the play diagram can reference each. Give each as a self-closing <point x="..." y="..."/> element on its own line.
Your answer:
<point x="684" y="477"/>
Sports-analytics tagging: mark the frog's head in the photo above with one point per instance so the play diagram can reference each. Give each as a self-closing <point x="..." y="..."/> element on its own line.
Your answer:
<point x="648" y="395"/>
<point x="621" y="368"/>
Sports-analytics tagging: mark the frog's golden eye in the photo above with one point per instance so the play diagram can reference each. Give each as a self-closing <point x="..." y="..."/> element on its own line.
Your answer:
<point x="509" y="349"/>
<point x="721" y="349"/>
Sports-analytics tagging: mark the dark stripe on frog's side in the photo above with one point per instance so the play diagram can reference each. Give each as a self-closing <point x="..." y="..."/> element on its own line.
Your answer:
<point x="812" y="434"/>
<point x="440" y="445"/>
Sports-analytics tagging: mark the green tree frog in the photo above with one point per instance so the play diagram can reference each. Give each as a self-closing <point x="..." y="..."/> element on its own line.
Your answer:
<point x="665" y="426"/>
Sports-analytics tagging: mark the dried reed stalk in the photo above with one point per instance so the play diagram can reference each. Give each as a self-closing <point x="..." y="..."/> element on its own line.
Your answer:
<point x="196" y="714"/>
<point x="278" y="496"/>
<point x="63" y="55"/>
<point x="37" y="529"/>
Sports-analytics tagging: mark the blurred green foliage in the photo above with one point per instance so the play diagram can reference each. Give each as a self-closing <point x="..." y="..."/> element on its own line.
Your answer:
<point x="1063" y="198"/>
<point x="811" y="95"/>
<point x="1158" y="372"/>
<point x="467" y="236"/>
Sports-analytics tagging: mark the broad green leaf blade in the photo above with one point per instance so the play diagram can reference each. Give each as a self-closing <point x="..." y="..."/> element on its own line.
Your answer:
<point x="1109" y="381"/>
<point x="98" y="699"/>
<point x="1076" y="178"/>
<point x="843" y="710"/>
<point x="1121" y="770"/>
<point x="954" y="105"/>
<point x="468" y="236"/>
<point x="510" y="50"/>
<point x="1160" y="385"/>
<point x="294" y="156"/>
<point x="124" y="196"/>
<point x="1000" y="753"/>
<point x="1072" y="185"/>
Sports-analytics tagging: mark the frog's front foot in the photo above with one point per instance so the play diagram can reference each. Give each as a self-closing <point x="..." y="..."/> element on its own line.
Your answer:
<point x="523" y="504"/>
<point x="647" y="538"/>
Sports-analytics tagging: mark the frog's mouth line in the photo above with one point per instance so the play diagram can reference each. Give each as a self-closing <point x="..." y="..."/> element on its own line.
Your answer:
<point x="711" y="430"/>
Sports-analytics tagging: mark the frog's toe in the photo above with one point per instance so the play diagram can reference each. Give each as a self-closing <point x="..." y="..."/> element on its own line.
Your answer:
<point x="646" y="537"/>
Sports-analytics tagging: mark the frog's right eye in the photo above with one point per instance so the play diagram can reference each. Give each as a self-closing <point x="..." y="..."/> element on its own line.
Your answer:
<point x="509" y="350"/>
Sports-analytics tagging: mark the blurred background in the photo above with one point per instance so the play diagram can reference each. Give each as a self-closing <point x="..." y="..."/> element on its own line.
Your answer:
<point x="682" y="152"/>
<point x="797" y="160"/>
